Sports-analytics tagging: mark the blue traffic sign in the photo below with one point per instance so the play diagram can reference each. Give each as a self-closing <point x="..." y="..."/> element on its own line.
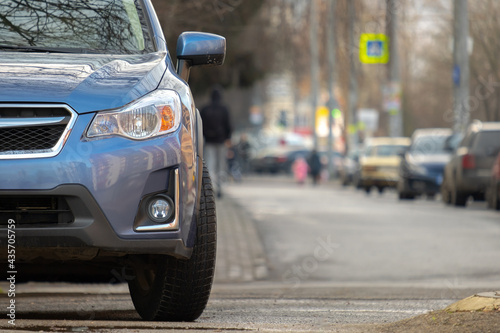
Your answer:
<point x="374" y="48"/>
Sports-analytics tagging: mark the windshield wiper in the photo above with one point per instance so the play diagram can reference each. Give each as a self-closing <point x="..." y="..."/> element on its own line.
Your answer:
<point x="38" y="49"/>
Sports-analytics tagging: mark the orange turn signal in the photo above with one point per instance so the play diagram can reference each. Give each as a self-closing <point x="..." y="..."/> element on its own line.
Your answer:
<point x="167" y="118"/>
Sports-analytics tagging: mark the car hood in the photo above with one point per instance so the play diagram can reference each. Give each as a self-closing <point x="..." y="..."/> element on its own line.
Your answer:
<point x="87" y="83"/>
<point x="389" y="161"/>
<point x="434" y="159"/>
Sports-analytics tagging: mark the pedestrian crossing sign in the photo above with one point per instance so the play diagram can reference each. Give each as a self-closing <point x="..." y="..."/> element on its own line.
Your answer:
<point x="374" y="49"/>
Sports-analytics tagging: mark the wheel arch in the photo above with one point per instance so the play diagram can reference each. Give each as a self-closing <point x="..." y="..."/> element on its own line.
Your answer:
<point x="199" y="178"/>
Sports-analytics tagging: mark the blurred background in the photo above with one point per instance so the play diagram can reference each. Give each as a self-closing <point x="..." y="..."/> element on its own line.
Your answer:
<point x="329" y="74"/>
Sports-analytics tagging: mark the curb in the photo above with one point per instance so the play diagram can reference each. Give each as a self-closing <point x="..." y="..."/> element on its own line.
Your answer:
<point x="482" y="302"/>
<point x="240" y="253"/>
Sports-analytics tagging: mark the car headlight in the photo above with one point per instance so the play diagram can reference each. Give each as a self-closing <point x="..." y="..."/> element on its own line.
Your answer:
<point x="155" y="114"/>
<point x="417" y="169"/>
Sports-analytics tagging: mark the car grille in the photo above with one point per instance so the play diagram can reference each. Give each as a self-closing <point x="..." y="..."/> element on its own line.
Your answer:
<point x="31" y="138"/>
<point x="33" y="130"/>
<point x="435" y="169"/>
<point x="35" y="210"/>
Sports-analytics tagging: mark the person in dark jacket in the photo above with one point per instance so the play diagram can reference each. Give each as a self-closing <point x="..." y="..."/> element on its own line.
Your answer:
<point x="217" y="133"/>
<point x="314" y="166"/>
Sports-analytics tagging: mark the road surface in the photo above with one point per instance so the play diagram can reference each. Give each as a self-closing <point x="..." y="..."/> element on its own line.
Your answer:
<point x="305" y="258"/>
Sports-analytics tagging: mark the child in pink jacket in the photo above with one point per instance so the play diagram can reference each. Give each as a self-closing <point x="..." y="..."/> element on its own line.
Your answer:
<point x="300" y="169"/>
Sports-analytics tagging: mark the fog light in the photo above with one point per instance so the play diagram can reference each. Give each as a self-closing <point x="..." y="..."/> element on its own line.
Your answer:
<point x="160" y="208"/>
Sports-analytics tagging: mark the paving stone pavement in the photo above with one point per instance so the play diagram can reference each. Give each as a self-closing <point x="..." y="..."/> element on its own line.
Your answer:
<point x="240" y="253"/>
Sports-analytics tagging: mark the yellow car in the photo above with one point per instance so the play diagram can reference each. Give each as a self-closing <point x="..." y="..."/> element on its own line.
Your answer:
<point x="380" y="161"/>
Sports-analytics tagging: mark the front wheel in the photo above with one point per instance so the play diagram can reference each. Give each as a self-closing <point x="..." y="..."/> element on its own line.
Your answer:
<point x="430" y="196"/>
<point x="458" y="199"/>
<point x="403" y="192"/>
<point x="171" y="289"/>
<point x="495" y="197"/>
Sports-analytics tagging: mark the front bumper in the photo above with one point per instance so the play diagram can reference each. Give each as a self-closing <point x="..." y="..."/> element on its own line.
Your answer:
<point x="379" y="176"/>
<point x="105" y="181"/>
<point x="474" y="181"/>
<point x="89" y="229"/>
<point x="421" y="184"/>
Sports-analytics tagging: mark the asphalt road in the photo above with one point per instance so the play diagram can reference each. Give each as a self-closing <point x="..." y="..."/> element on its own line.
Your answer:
<point x="321" y="258"/>
<point x="340" y="235"/>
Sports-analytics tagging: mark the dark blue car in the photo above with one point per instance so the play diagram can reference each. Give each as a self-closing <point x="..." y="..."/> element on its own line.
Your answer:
<point x="422" y="166"/>
<point x="101" y="166"/>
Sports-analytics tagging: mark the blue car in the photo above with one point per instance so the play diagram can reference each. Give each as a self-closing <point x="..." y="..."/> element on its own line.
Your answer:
<point x="422" y="166"/>
<point x="101" y="164"/>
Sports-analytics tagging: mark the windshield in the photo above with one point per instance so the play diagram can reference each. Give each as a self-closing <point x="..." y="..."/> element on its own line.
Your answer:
<point x="100" y="26"/>
<point x="389" y="150"/>
<point x="430" y="145"/>
<point x="486" y="143"/>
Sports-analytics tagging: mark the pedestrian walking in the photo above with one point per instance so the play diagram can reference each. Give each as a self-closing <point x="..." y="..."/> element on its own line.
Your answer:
<point x="314" y="162"/>
<point x="217" y="133"/>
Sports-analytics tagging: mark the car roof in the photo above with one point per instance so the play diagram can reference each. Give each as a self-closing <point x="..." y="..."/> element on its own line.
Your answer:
<point x="477" y="125"/>
<point x="432" y="132"/>
<point x="488" y="126"/>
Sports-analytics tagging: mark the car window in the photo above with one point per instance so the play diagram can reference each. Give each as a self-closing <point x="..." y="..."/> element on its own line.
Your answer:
<point x="101" y="26"/>
<point x="486" y="143"/>
<point x="390" y="150"/>
<point x="453" y="141"/>
<point x="429" y="145"/>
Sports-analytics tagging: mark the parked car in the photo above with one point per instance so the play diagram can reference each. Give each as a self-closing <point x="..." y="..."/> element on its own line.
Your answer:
<point x="101" y="159"/>
<point x="380" y="162"/>
<point x="277" y="158"/>
<point x="493" y="190"/>
<point x="469" y="171"/>
<point x="336" y="163"/>
<point x="421" y="169"/>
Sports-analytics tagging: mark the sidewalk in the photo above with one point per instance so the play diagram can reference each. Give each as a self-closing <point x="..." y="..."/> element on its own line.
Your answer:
<point x="240" y="254"/>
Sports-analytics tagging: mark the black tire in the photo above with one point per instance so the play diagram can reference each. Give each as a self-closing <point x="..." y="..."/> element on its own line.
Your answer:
<point x="495" y="198"/>
<point x="403" y="193"/>
<point x="405" y="196"/>
<point x="368" y="189"/>
<point x="430" y="196"/>
<point x="489" y="196"/>
<point x="479" y="196"/>
<point x="171" y="289"/>
<point x="458" y="199"/>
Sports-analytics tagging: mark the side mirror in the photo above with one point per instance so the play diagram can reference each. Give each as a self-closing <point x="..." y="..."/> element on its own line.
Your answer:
<point x="199" y="48"/>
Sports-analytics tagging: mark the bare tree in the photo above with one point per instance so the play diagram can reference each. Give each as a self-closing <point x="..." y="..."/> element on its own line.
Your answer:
<point x="485" y="63"/>
<point x="93" y="26"/>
